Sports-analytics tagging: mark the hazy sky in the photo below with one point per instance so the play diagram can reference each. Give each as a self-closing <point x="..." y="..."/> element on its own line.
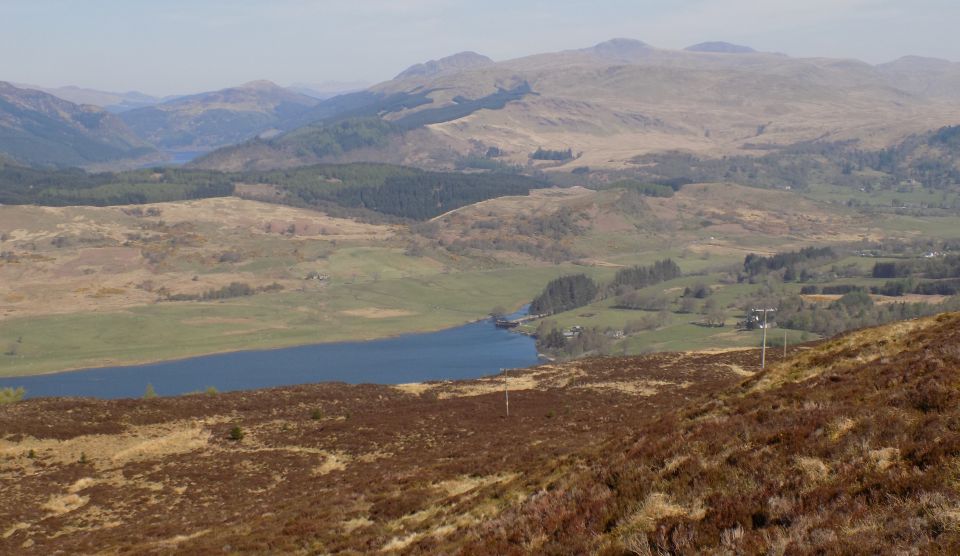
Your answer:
<point x="179" y="46"/>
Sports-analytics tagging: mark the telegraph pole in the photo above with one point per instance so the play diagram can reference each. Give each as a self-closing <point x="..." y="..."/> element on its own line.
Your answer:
<point x="506" y="391"/>
<point x="763" y="351"/>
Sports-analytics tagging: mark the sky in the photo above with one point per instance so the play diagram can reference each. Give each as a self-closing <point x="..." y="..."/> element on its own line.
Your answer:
<point x="164" y="47"/>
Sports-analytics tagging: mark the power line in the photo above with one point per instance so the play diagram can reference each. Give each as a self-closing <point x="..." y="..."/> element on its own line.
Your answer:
<point x="763" y="351"/>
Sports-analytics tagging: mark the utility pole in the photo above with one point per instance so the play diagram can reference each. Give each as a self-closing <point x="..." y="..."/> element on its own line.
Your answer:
<point x="763" y="351"/>
<point x="506" y="391"/>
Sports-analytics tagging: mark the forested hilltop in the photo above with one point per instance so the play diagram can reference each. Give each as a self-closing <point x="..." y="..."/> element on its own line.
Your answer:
<point x="385" y="189"/>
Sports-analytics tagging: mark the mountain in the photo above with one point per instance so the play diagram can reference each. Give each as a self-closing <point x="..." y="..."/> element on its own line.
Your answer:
<point x="40" y="129"/>
<point x="215" y="119"/>
<point x="928" y="77"/>
<point x="621" y="50"/>
<point x="608" y="103"/>
<point x="720" y="48"/>
<point x="111" y="102"/>
<point x="328" y="89"/>
<point x="457" y="62"/>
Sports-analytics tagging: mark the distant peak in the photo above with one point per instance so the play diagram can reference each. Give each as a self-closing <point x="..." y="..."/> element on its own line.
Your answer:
<point x="920" y="61"/>
<point x="457" y="62"/>
<point x="621" y="49"/>
<point x="720" y="47"/>
<point x="621" y="42"/>
<point x="259" y="84"/>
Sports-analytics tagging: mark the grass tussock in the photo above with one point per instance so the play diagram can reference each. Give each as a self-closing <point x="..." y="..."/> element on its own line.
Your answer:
<point x="11" y="395"/>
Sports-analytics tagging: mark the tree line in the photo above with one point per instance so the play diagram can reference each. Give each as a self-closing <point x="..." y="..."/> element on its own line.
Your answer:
<point x="576" y="290"/>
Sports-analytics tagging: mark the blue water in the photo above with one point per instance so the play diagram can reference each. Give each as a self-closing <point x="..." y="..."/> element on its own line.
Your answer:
<point x="177" y="158"/>
<point x="468" y="351"/>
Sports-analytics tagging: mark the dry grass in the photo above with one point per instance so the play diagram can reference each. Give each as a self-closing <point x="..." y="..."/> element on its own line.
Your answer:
<point x="104" y="262"/>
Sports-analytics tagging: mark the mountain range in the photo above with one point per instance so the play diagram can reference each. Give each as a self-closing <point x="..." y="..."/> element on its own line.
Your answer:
<point x="210" y="120"/>
<point x="605" y="105"/>
<point x="612" y="102"/>
<point x="109" y="101"/>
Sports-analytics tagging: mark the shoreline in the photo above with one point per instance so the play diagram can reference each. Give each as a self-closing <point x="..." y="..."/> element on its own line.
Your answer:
<point x="275" y="347"/>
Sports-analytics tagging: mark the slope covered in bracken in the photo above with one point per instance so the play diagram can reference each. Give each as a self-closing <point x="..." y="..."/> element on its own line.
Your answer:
<point x="852" y="446"/>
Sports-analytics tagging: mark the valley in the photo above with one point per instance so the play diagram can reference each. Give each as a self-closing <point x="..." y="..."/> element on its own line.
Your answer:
<point x="106" y="286"/>
<point x="288" y="277"/>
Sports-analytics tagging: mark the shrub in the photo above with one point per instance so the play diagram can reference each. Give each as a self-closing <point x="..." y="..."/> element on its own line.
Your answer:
<point x="11" y="395"/>
<point x="236" y="434"/>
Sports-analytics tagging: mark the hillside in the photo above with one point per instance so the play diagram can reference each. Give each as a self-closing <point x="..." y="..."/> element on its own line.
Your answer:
<point x="40" y="129"/>
<point x="849" y="447"/>
<point x="623" y="98"/>
<point x="846" y="446"/>
<point x="215" y="119"/>
<point x="109" y="101"/>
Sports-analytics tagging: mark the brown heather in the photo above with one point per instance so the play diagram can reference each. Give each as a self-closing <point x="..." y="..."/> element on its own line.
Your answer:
<point x="849" y="446"/>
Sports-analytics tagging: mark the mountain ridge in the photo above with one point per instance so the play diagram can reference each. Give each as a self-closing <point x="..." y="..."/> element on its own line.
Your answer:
<point x="40" y="129"/>
<point x="623" y="97"/>
<point x="219" y="118"/>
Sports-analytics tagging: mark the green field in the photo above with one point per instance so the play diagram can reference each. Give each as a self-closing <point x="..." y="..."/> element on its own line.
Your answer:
<point x="385" y="307"/>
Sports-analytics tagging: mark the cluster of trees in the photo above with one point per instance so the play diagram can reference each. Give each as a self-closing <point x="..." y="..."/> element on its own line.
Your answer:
<point x="754" y="265"/>
<point x="550" y="339"/>
<point x="234" y="289"/>
<point x="391" y="190"/>
<point x="854" y="310"/>
<point x="934" y="267"/>
<point x="929" y="159"/>
<point x="637" y="277"/>
<point x="644" y="189"/>
<point x="557" y="226"/>
<point x="933" y="276"/>
<point x="331" y="139"/>
<point x="565" y="293"/>
<point x="550" y="154"/>
<point x="429" y="194"/>
<point x="20" y="185"/>
<point x="570" y="292"/>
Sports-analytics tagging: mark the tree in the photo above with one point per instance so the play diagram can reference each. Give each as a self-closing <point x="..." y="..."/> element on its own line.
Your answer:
<point x="150" y="393"/>
<point x="687" y="305"/>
